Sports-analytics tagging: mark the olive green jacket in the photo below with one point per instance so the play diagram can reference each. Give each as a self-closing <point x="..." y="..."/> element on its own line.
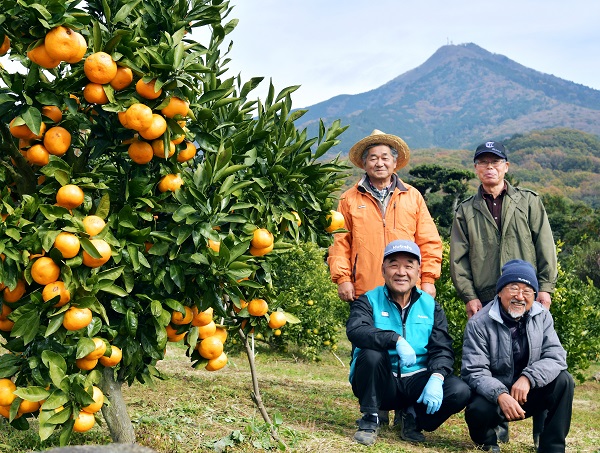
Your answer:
<point x="478" y="250"/>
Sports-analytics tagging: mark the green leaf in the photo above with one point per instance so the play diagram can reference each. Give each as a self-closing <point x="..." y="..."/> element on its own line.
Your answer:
<point x="125" y="11"/>
<point x="27" y="325"/>
<point x="32" y="393"/>
<point x="85" y="345"/>
<point x="116" y="290"/>
<point x="33" y="119"/>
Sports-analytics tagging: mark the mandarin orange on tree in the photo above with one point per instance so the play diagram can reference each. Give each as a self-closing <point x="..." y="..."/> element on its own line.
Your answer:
<point x="84" y="363"/>
<point x="179" y="319"/>
<point x="22" y="130"/>
<point x="99" y="350"/>
<point x="335" y="221"/>
<point x="84" y="422"/>
<point x="140" y="152"/>
<point x="93" y="224"/>
<point x="76" y="318"/>
<point x="176" y="106"/>
<point x="69" y="196"/>
<point x="12" y="295"/>
<point x="45" y="270"/>
<point x="189" y="152"/>
<point x="202" y="318"/>
<point x="277" y="319"/>
<point x="39" y="55"/>
<point x="261" y="238"/>
<point x="147" y="89"/>
<point x="98" y="398"/>
<point x="123" y="78"/>
<point x="156" y="128"/>
<point x="7" y="387"/>
<point x="216" y="364"/>
<point x="5" y="46"/>
<point x="138" y="116"/>
<point x="170" y="183"/>
<point x="158" y="147"/>
<point x="94" y="93"/>
<point x="57" y="140"/>
<point x="172" y="334"/>
<point x="38" y="155"/>
<point x="261" y="251"/>
<point x="57" y="288"/>
<point x="115" y="357"/>
<point x="103" y="248"/>
<point x="52" y="112"/>
<point x="64" y="44"/>
<point x="28" y="407"/>
<point x="6" y="325"/>
<point x="100" y="68"/>
<point x="210" y="348"/>
<point x="207" y="330"/>
<point x="221" y="334"/>
<point x="258" y="307"/>
<point x="68" y="244"/>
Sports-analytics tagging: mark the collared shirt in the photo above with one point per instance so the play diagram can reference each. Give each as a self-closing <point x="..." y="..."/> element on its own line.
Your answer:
<point x="495" y="204"/>
<point x="380" y="194"/>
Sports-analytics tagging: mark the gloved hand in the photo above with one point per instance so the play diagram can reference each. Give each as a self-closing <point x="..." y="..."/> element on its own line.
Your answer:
<point x="405" y="352"/>
<point x="432" y="394"/>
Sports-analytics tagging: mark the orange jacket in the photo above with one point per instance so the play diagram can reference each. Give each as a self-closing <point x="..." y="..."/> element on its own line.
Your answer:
<point x="357" y="256"/>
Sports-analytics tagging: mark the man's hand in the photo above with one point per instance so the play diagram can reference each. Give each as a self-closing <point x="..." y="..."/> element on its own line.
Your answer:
<point x="429" y="288"/>
<point x="433" y="394"/>
<point x="405" y="352"/>
<point x="346" y="291"/>
<point x="520" y="390"/>
<point x="545" y="299"/>
<point x="472" y="307"/>
<point x="510" y="407"/>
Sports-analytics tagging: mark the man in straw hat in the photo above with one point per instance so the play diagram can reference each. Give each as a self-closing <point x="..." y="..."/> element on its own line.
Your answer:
<point x="378" y="210"/>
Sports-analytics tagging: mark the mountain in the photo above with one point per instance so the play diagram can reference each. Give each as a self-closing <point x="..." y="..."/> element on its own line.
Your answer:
<point x="461" y="96"/>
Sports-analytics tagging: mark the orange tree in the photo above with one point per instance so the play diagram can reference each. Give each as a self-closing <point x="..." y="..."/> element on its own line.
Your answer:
<point x="134" y="175"/>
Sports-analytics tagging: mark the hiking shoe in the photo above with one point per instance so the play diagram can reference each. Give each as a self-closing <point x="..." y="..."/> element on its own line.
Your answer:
<point x="384" y="417"/>
<point x="367" y="429"/>
<point x="408" y="428"/>
<point x="502" y="432"/>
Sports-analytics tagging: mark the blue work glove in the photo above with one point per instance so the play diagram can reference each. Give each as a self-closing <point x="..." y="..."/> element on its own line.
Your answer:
<point x="432" y="394"/>
<point x="405" y="352"/>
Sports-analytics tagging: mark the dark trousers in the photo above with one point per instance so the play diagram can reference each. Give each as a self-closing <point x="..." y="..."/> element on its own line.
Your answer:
<point x="377" y="388"/>
<point x="557" y="398"/>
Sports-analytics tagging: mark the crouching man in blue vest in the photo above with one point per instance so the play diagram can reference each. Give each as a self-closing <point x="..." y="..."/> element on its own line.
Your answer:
<point x="403" y="357"/>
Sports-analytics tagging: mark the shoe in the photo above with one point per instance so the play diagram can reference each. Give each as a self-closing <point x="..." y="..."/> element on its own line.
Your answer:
<point x="502" y="432"/>
<point x="384" y="417"/>
<point x="409" y="430"/>
<point x="494" y="448"/>
<point x="367" y="430"/>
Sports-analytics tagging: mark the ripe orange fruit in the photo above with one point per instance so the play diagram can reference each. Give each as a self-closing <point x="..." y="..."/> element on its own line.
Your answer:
<point x="170" y="182"/>
<point x="94" y="94"/>
<point x="138" y="117"/>
<point x="69" y="196"/>
<point x="7" y="387"/>
<point x="38" y="155"/>
<point x="202" y="318"/>
<point x="100" y="68"/>
<point x="86" y="364"/>
<point x="93" y="224"/>
<point x="6" y="310"/>
<point x="261" y="238"/>
<point x="54" y="289"/>
<point x="52" y="112"/>
<point x="6" y="325"/>
<point x="177" y="139"/>
<point x="11" y="296"/>
<point x="98" y="398"/>
<point x="258" y="307"/>
<point x="216" y="364"/>
<point x="176" y="106"/>
<point x="207" y="330"/>
<point x="147" y="90"/>
<point x="77" y="318"/>
<point x="210" y="348"/>
<point x="104" y="250"/>
<point x="57" y="140"/>
<point x="277" y="319"/>
<point x="172" y="334"/>
<point x="68" y="244"/>
<point x="335" y="221"/>
<point x="178" y="319"/>
<point x="115" y="357"/>
<point x="5" y="46"/>
<point x="100" y="349"/>
<point x="123" y="78"/>
<point x="260" y="252"/>
<point x="188" y="153"/>
<point x="27" y="407"/>
<point x="64" y="44"/>
<point x="39" y="55"/>
<point x="140" y="152"/>
<point x="84" y="422"/>
<point x="23" y="131"/>
<point x="243" y="304"/>
<point x="123" y="119"/>
<point x="45" y="270"/>
<point x="215" y="246"/>
<point x="221" y="334"/>
<point x="156" y="128"/>
<point x="158" y="147"/>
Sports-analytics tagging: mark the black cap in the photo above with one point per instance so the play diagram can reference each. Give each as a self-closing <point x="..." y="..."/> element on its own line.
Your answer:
<point x="496" y="148"/>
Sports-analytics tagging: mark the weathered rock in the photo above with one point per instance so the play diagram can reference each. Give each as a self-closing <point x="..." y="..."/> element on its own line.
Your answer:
<point x="110" y="448"/>
<point x="596" y="377"/>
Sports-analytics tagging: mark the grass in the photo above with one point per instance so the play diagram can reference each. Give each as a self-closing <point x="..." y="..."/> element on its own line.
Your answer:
<point x="198" y="411"/>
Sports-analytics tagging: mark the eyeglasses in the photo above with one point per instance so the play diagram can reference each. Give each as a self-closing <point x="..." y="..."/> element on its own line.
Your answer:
<point x="525" y="292"/>
<point x="486" y="163"/>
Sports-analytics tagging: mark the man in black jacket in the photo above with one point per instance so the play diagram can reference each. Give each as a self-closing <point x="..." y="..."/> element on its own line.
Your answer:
<point x="403" y="357"/>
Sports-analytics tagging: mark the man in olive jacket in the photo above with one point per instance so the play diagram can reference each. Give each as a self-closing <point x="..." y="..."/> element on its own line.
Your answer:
<point x="515" y="365"/>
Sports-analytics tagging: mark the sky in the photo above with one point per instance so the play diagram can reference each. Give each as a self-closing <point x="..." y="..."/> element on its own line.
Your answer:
<point x="333" y="47"/>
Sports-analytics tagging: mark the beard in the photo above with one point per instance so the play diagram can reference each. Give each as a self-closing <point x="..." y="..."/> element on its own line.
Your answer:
<point x="516" y="309"/>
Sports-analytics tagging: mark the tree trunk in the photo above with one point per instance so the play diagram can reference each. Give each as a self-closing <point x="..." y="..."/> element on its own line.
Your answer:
<point x="116" y="416"/>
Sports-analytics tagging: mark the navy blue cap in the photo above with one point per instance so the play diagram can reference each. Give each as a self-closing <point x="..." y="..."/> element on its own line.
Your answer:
<point x="402" y="246"/>
<point x="517" y="271"/>
<point x="496" y="148"/>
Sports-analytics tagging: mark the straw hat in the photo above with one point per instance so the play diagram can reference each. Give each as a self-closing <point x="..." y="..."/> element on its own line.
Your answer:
<point x="378" y="137"/>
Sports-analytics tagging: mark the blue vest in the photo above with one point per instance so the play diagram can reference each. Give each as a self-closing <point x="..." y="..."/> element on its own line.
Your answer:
<point x="416" y="330"/>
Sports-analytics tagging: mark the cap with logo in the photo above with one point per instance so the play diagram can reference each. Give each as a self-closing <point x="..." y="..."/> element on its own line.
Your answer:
<point x="496" y="148"/>
<point x="402" y="246"/>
